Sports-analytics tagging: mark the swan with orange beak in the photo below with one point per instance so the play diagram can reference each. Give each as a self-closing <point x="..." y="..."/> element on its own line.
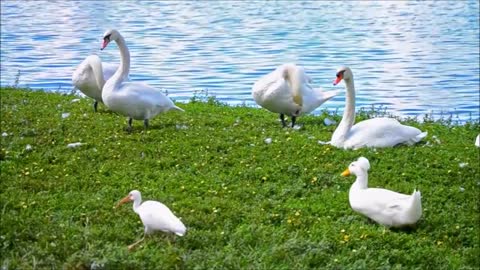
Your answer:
<point x="155" y="216"/>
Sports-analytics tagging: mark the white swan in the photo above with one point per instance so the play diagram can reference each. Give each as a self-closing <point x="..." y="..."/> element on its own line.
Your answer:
<point x="287" y="91"/>
<point x="477" y="141"/>
<point x="376" y="132"/>
<point x="384" y="206"/>
<point x="133" y="99"/>
<point x="90" y="77"/>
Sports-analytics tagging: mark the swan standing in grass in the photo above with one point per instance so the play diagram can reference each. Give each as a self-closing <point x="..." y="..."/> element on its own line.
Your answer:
<point x="155" y="216"/>
<point x="376" y="132"/>
<point x="90" y="77"/>
<point x="133" y="99"/>
<point x="477" y="141"/>
<point x="385" y="207"/>
<point x="287" y="91"/>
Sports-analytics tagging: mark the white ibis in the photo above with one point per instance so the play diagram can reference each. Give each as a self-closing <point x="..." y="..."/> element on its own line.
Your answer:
<point x="154" y="215"/>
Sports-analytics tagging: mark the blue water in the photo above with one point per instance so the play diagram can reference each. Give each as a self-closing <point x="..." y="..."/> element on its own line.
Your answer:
<point x="412" y="57"/>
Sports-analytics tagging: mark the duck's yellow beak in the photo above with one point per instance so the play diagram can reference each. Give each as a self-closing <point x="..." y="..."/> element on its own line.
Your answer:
<point x="346" y="172"/>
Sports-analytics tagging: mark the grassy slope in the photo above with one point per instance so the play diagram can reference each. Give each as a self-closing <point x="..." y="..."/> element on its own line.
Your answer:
<point x="247" y="204"/>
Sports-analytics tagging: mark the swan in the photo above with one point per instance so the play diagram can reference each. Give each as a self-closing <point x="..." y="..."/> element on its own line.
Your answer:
<point x="287" y="91"/>
<point x="155" y="216"/>
<point x="477" y="141"/>
<point x="389" y="208"/>
<point x="90" y="76"/>
<point x="376" y="132"/>
<point x="133" y="99"/>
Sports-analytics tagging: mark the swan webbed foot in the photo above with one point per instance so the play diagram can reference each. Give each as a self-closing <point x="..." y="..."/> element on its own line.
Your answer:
<point x="95" y="105"/>
<point x="145" y="123"/>
<point x="282" y="118"/>
<point x="294" y="118"/>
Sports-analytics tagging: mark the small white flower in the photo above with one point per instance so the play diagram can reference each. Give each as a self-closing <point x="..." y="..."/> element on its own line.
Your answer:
<point x="75" y="100"/>
<point x="328" y="122"/>
<point x="181" y="126"/>
<point x="268" y="140"/>
<point x="28" y="147"/>
<point x="463" y="164"/>
<point x="297" y="127"/>
<point x="73" y="145"/>
<point x="436" y="139"/>
<point x="4" y="134"/>
<point x="323" y="142"/>
<point x="462" y="189"/>
<point x="65" y="115"/>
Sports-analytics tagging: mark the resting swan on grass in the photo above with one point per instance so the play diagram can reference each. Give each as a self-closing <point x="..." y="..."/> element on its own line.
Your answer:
<point x="133" y="99"/>
<point x="287" y="91"/>
<point x="386" y="207"/>
<point x="90" y="77"/>
<point x="376" y="132"/>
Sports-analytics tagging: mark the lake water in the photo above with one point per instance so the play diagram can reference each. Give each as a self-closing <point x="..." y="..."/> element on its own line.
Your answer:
<point x="412" y="57"/>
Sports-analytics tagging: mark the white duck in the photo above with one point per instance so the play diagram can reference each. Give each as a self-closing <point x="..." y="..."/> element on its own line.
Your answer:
<point x="287" y="91"/>
<point x="90" y="77"/>
<point x="386" y="207"/>
<point x="155" y="216"/>
<point x="376" y="132"/>
<point x="133" y="99"/>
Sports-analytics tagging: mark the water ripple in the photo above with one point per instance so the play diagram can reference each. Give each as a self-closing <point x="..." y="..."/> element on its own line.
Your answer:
<point x="412" y="57"/>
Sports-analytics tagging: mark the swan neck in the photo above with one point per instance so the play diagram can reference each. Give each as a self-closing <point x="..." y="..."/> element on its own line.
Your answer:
<point x="124" y="68"/>
<point x="97" y="68"/>
<point x="348" y="118"/>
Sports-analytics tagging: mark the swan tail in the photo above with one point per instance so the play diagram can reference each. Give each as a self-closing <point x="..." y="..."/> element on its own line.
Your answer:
<point x="330" y="94"/>
<point x="420" y="136"/>
<point x="415" y="211"/>
<point x="176" y="108"/>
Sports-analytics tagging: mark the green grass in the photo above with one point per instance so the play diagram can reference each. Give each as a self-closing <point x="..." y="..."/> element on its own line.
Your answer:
<point x="246" y="204"/>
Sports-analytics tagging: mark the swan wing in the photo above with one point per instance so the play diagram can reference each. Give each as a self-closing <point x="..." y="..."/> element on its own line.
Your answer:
<point x="138" y="100"/>
<point x="380" y="132"/>
<point x="273" y="93"/>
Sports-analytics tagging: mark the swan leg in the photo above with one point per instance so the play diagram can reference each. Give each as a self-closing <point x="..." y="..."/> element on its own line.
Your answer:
<point x="145" y="123"/>
<point x="95" y="104"/>
<point x="294" y="118"/>
<point x="282" y="117"/>
<point x="129" y="128"/>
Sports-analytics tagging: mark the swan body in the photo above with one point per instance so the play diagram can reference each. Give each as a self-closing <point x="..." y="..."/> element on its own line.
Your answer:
<point x="477" y="141"/>
<point x="376" y="132"/>
<point x="287" y="91"/>
<point x="90" y="77"/>
<point x="155" y="216"/>
<point x="386" y="207"/>
<point x="132" y="99"/>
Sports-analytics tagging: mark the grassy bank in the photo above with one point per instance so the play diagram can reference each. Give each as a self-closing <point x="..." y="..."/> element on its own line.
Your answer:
<point x="247" y="204"/>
